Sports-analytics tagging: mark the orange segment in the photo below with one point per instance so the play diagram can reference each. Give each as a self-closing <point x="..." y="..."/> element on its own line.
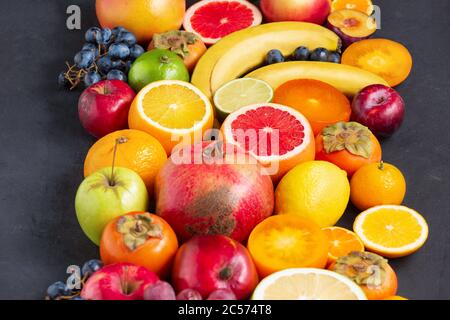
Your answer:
<point x="341" y="242"/>
<point x="287" y="241"/>
<point x="172" y="111"/>
<point x="386" y="58"/>
<point x="392" y="231"/>
<point x="364" y="6"/>
<point x="321" y="103"/>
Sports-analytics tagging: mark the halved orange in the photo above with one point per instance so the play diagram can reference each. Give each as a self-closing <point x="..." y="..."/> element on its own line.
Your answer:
<point x="173" y="112"/>
<point x="364" y="6"/>
<point x="321" y="103"/>
<point x="391" y="231"/>
<point x="386" y="58"/>
<point x="341" y="242"/>
<point x="287" y="241"/>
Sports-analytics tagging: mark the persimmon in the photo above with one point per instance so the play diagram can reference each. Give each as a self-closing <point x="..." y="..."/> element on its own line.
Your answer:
<point x="321" y="103"/>
<point x="348" y="145"/>
<point x="386" y="58"/>
<point x="370" y="271"/>
<point x="140" y="238"/>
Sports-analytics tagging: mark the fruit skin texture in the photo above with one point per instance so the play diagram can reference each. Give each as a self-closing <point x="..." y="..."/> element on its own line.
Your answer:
<point x="156" y="65"/>
<point x="209" y="263"/>
<point x="190" y="50"/>
<point x="113" y="281"/>
<point x="103" y="107"/>
<point x="314" y="11"/>
<point x="377" y="184"/>
<point x="142" y="17"/>
<point x="380" y="108"/>
<point x="347" y="79"/>
<point x="373" y="291"/>
<point x="216" y="195"/>
<point x="276" y="242"/>
<point x="346" y="160"/>
<point x="316" y="190"/>
<point x="393" y="62"/>
<point x="395" y="298"/>
<point x="140" y="152"/>
<point x="156" y="253"/>
<point x="319" y="102"/>
<point x="256" y="42"/>
<point x="97" y="202"/>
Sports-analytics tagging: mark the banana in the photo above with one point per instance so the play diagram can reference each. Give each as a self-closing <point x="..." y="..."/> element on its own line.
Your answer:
<point x="243" y="51"/>
<point x="349" y="80"/>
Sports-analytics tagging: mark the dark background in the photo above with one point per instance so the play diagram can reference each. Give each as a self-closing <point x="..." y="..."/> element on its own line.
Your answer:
<point x="42" y="145"/>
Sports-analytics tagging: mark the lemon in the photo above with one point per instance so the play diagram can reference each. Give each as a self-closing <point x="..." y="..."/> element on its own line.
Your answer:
<point x="241" y="93"/>
<point x="317" y="190"/>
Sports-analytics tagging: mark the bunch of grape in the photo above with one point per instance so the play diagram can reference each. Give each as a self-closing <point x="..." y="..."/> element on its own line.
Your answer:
<point x="107" y="54"/>
<point x="61" y="291"/>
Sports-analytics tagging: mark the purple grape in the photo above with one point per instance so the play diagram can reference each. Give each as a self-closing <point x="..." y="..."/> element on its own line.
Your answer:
<point x="189" y="294"/>
<point x="222" y="294"/>
<point x="159" y="291"/>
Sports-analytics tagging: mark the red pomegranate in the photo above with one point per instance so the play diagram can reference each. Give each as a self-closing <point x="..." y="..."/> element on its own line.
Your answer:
<point x="210" y="263"/>
<point x="213" y="189"/>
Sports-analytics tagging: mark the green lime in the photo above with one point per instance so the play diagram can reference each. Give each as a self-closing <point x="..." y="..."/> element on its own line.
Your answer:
<point x="240" y="93"/>
<point x="155" y="65"/>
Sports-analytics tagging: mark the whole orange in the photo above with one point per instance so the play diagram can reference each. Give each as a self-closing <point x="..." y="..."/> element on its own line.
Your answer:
<point x="137" y="151"/>
<point x="142" y="17"/>
<point x="321" y="103"/>
<point x="377" y="184"/>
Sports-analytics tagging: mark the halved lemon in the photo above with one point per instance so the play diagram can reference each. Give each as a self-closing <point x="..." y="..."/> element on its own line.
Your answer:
<point x="391" y="231"/>
<point x="173" y="112"/>
<point x="308" y="284"/>
<point x="240" y="93"/>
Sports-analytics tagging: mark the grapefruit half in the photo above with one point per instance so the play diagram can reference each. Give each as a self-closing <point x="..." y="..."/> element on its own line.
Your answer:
<point x="278" y="136"/>
<point x="212" y="20"/>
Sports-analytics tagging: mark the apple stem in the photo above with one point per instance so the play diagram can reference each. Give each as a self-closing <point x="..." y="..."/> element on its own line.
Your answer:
<point x="120" y="140"/>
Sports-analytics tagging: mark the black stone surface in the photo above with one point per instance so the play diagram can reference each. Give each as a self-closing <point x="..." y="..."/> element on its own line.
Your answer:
<point x="42" y="145"/>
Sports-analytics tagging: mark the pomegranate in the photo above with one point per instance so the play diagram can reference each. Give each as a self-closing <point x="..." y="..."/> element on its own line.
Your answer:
<point x="213" y="189"/>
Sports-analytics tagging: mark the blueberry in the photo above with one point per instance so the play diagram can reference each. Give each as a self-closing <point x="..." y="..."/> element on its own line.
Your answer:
<point x="274" y="56"/>
<point x="91" y="78"/>
<point x="90" y="267"/>
<point x="62" y="81"/>
<point x="136" y="51"/>
<point x="58" y="289"/>
<point x="320" y="54"/>
<point x="105" y="36"/>
<point x="92" y="34"/>
<point x="126" y="37"/>
<point x="104" y="64"/>
<point x="301" y="54"/>
<point x="116" y="75"/>
<point x="91" y="47"/>
<point x="84" y="59"/>
<point x="119" y="51"/>
<point x="117" y="30"/>
<point x="334" y="57"/>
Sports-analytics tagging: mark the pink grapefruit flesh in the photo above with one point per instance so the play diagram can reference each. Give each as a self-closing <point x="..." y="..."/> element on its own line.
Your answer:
<point x="212" y="20"/>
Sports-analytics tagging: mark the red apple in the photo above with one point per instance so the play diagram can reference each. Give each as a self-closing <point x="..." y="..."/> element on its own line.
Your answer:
<point x="209" y="263"/>
<point x="103" y="107"/>
<point x="315" y="11"/>
<point x="121" y="281"/>
<point x="380" y="108"/>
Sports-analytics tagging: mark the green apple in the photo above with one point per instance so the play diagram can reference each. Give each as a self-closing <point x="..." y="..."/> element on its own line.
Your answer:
<point x="107" y="194"/>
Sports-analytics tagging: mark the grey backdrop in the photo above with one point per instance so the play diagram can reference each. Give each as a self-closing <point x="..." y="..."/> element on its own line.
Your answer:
<point x="42" y="145"/>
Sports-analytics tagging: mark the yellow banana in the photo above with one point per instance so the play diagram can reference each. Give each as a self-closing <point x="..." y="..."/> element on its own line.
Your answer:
<point x="350" y="80"/>
<point x="242" y="51"/>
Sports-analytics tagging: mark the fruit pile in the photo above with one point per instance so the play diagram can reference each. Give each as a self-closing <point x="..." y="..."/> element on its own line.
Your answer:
<point x="251" y="160"/>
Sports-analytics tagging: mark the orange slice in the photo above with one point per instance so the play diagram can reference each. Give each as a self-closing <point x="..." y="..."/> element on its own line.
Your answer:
<point x="173" y="112"/>
<point x="364" y="6"/>
<point x="391" y="231"/>
<point x="341" y="242"/>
